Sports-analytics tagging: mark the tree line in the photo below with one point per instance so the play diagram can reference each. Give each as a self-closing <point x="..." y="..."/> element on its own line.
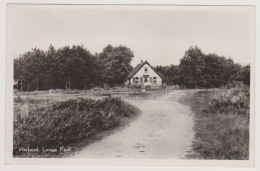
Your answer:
<point x="76" y="68"/>
<point x="72" y="68"/>
<point x="199" y="70"/>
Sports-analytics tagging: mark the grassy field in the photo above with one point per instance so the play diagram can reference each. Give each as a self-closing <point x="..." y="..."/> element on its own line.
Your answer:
<point x="221" y="123"/>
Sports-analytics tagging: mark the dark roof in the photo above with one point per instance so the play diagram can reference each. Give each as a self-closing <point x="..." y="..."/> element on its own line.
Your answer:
<point x="138" y="67"/>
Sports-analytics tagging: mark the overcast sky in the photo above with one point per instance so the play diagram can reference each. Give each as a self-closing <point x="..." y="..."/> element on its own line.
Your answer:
<point x="159" y="34"/>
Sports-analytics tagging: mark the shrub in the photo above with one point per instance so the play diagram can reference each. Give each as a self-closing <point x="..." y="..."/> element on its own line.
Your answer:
<point x="233" y="98"/>
<point x="68" y="122"/>
<point x="18" y="99"/>
<point x="139" y="93"/>
<point x="136" y="86"/>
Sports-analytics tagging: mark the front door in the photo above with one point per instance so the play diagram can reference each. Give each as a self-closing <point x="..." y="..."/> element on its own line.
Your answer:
<point x="146" y="78"/>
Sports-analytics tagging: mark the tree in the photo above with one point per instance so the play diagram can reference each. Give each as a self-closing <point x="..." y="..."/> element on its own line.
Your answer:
<point x="241" y="74"/>
<point x="191" y="68"/>
<point x="170" y="74"/>
<point x="28" y="69"/>
<point x="214" y="72"/>
<point x="116" y="64"/>
<point x="64" y="68"/>
<point x="246" y="74"/>
<point x="78" y="67"/>
<point x="208" y="71"/>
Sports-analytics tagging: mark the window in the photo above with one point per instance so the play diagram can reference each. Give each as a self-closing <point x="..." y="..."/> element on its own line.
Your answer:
<point x="154" y="80"/>
<point x="136" y="79"/>
<point x="145" y="69"/>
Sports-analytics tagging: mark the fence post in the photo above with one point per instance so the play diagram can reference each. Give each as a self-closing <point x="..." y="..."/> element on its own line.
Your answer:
<point x="79" y="100"/>
<point x="24" y="112"/>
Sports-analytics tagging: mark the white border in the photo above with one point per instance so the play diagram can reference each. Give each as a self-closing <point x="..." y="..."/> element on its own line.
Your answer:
<point x="146" y="163"/>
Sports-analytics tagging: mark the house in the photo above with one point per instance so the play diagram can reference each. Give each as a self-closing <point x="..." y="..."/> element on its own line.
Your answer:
<point x="144" y="74"/>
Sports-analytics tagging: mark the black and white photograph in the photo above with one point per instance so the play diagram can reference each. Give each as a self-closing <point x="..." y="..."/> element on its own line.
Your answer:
<point x="127" y="82"/>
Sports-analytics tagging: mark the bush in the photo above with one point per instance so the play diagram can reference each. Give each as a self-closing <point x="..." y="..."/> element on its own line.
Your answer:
<point x="233" y="97"/>
<point x="148" y="87"/>
<point x="68" y="122"/>
<point x="136" y="86"/>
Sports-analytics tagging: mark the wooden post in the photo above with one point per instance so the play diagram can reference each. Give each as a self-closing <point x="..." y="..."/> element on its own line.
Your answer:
<point x="79" y="100"/>
<point x="24" y="112"/>
<point x="21" y="86"/>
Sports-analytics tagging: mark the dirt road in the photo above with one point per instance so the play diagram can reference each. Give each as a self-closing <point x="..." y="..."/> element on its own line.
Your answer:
<point x="163" y="130"/>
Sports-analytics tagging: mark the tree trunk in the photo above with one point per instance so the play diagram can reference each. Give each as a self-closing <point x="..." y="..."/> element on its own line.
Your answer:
<point x="51" y="82"/>
<point x="37" y="82"/>
<point x="69" y="83"/>
<point x="51" y="77"/>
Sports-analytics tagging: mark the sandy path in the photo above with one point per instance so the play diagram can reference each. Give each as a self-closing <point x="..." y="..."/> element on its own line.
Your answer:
<point x="164" y="130"/>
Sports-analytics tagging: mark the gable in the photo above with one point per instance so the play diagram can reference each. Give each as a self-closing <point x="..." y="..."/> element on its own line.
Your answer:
<point x="139" y="69"/>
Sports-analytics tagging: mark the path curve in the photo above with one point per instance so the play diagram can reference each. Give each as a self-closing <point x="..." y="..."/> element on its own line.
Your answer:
<point x="162" y="131"/>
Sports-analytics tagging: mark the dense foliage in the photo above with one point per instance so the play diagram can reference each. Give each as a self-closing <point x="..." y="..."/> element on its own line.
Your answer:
<point x="199" y="70"/>
<point x="72" y="68"/>
<point x="68" y="122"/>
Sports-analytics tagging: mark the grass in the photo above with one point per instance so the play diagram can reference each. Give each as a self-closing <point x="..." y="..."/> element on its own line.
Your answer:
<point x="95" y="90"/>
<point x="68" y="123"/>
<point x="221" y="123"/>
<point x="29" y="100"/>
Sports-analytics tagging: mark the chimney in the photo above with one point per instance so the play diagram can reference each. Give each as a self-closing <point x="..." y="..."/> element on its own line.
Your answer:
<point x="142" y="61"/>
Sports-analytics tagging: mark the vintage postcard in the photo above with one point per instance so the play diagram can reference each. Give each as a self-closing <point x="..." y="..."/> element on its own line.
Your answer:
<point x="138" y="85"/>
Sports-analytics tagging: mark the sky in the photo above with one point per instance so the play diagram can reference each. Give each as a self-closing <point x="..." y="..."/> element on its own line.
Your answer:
<point x="158" y="34"/>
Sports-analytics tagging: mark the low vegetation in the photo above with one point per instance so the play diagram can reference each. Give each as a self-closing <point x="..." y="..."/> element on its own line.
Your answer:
<point x="221" y="122"/>
<point x="69" y="122"/>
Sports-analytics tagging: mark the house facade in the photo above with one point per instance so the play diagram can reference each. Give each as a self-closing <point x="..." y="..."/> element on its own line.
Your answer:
<point x="144" y="74"/>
